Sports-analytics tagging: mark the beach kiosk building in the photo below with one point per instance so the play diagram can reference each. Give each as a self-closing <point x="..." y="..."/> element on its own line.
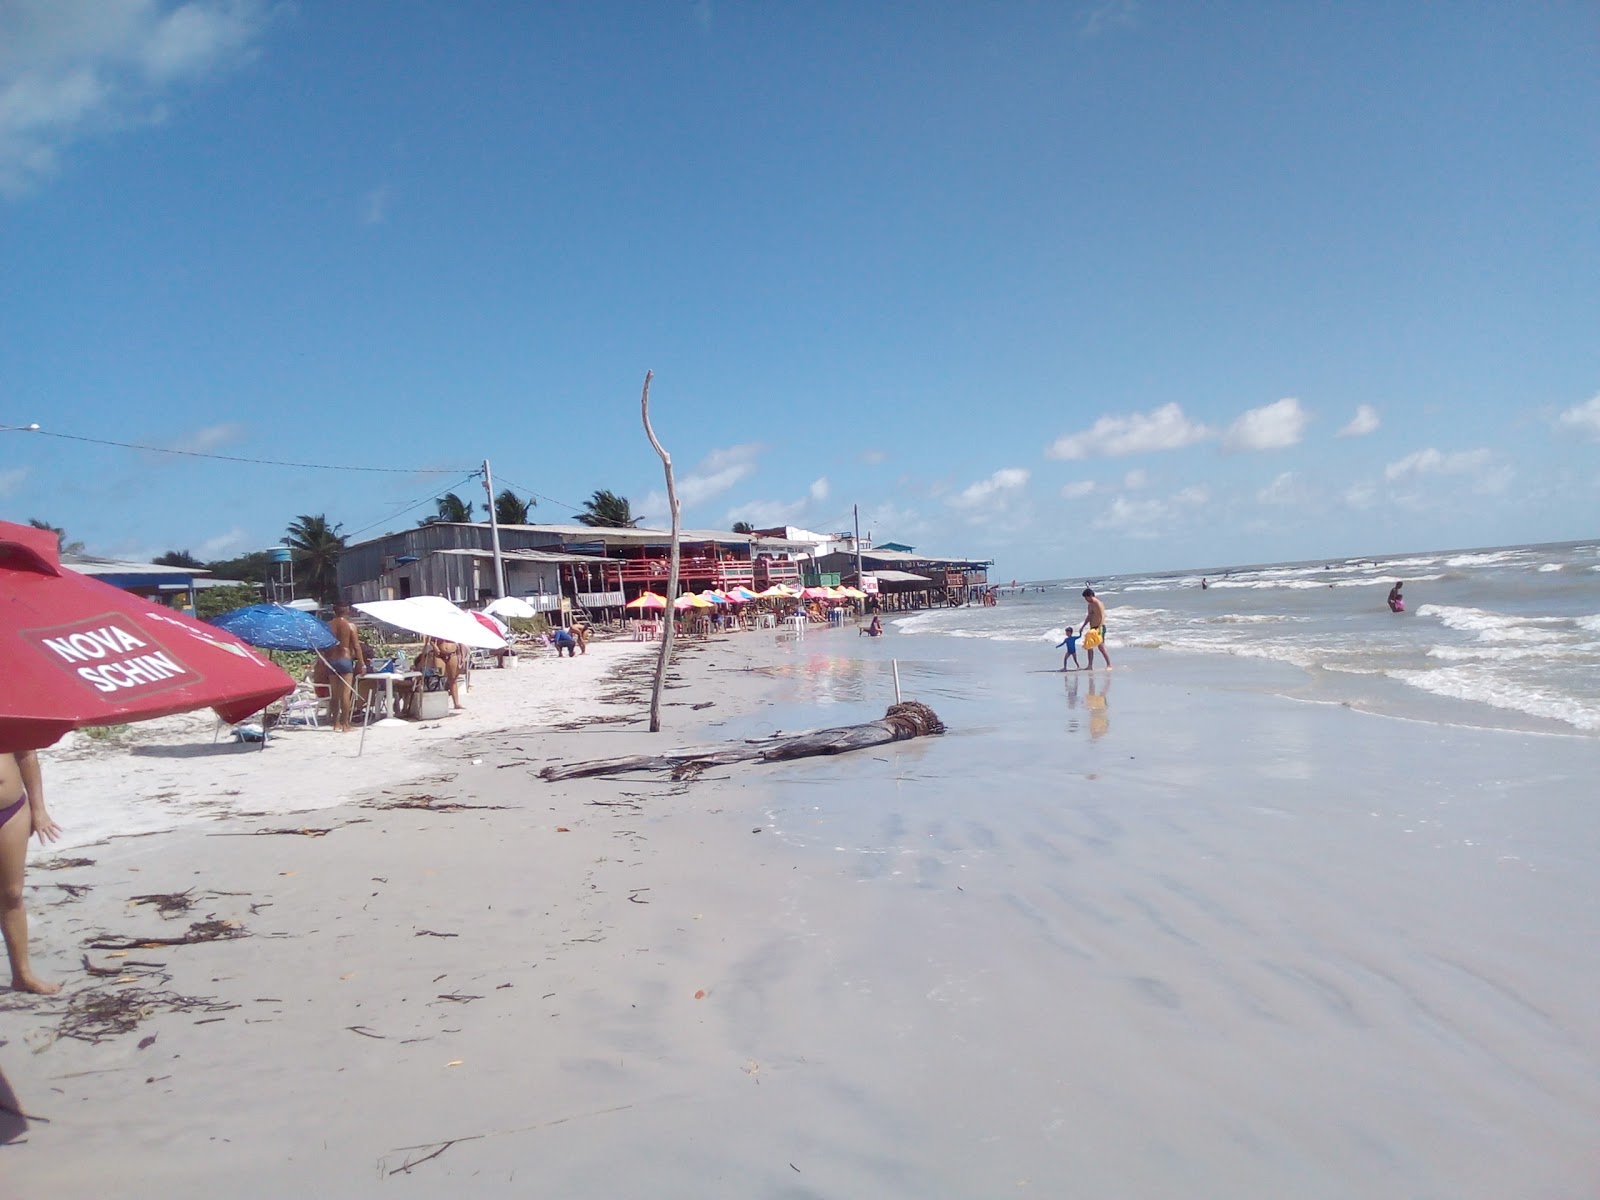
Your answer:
<point x="559" y="568"/>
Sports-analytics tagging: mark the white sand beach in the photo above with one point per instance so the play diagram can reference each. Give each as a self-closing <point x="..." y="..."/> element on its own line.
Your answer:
<point x="1153" y="934"/>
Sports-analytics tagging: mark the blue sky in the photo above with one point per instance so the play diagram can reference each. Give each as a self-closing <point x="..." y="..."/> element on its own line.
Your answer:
<point x="1080" y="287"/>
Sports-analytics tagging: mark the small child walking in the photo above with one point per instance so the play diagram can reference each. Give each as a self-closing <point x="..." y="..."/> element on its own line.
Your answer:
<point x="1071" y="643"/>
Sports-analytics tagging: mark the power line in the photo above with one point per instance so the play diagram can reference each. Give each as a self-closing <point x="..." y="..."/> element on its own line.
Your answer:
<point x="265" y="462"/>
<point x="539" y="495"/>
<point x="400" y="512"/>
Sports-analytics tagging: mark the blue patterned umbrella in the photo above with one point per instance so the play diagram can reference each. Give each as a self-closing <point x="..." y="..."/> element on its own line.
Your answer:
<point x="274" y="627"/>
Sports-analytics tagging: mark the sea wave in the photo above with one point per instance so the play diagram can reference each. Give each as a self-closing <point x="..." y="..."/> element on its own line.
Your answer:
<point x="1485" y="685"/>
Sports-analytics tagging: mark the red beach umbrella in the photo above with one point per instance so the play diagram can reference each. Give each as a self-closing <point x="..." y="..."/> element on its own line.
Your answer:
<point x="80" y="652"/>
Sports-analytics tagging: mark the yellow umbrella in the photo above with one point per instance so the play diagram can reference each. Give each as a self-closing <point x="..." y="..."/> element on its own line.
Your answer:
<point x="648" y="600"/>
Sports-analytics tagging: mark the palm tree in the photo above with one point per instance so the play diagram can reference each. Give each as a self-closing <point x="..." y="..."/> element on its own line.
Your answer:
<point x="509" y="509"/>
<point x="177" y="558"/>
<point x="62" y="545"/>
<point x="743" y="527"/>
<point x="451" y="508"/>
<point x="315" y="546"/>
<point x="607" y="510"/>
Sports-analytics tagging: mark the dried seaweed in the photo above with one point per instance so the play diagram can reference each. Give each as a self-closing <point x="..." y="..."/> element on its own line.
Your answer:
<point x="200" y="931"/>
<point x="101" y="1013"/>
<point x="430" y="803"/>
<point x="60" y="864"/>
<point x="168" y="904"/>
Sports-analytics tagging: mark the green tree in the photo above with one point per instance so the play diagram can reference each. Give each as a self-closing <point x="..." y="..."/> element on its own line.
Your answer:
<point x="254" y="567"/>
<point x="62" y="545"/>
<point x="509" y="509"/>
<point x="452" y="508"/>
<point x="607" y="510"/>
<point x="177" y="558"/>
<point x="743" y="527"/>
<point x="314" y="547"/>
<point x="213" y="602"/>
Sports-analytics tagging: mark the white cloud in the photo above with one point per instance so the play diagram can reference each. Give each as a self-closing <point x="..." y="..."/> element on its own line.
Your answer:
<point x="873" y="457"/>
<point x="73" y="68"/>
<point x="1164" y="428"/>
<point x="1108" y="15"/>
<point x="11" y="479"/>
<point x="1078" y="489"/>
<point x="204" y="441"/>
<point x="993" y="490"/>
<point x="375" y="206"/>
<point x="717" y="472"/>
<point x="819" y="490"/>
<point x="765" y="514"/>
<point x="1432" y="462"/>
<point x="1364" y="422"/>
<point x="1285" y="489"/>
<point x="1136" y="479"/>
<point x="223" y="541"/>
<point x="1150" y="518"/>
<point x="1274" y="426"/>
<point x="1360" y="495"/>
<point x="1486" y="476"/>
<point x="1585" y="417"/>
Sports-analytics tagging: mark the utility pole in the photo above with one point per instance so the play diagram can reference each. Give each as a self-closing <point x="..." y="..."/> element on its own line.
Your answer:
<point x="855" y="511"/>
<point x="494" y="533"/>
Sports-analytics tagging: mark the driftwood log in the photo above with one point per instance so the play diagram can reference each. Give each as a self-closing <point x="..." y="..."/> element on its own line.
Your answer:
<point x="901" y="723"/>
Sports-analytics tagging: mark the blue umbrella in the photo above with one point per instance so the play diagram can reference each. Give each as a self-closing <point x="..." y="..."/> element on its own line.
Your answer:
<point x="274" y="627"/>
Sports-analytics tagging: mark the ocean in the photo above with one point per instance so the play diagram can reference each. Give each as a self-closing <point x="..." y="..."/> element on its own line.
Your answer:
<point x="1498" y="638"/>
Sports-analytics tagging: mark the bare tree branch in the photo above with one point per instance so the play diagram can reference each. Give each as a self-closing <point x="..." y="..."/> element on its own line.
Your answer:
<point x="672" y="572"/>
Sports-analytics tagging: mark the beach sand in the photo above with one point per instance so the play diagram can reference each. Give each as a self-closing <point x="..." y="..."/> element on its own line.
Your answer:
<point x="1163" y="937"/>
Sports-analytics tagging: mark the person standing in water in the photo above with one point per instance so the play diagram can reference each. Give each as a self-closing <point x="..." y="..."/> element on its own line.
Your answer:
<point x="1096" y="620"/>
<point x="1397" y="602"/>
<point x="1071" y="643"/>
<point x="22" y="812"/>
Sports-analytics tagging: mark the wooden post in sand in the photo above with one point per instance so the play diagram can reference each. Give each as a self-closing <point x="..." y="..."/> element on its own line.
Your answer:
<point x="672" y="570"/>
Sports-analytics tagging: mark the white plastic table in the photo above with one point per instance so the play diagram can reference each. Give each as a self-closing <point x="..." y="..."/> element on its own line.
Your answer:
<point x="388" y="678"/>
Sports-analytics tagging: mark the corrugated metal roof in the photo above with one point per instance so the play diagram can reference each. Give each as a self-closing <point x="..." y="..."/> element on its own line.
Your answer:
<point x="900" y="577"/>
<point x="85" y="565"/>
<point x="550" y="556"/>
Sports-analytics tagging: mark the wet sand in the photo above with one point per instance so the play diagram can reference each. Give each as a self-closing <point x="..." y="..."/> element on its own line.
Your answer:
<point x="1187" y="939"/>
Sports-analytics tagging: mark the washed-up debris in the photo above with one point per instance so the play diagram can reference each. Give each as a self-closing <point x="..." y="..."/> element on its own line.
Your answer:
<point x="200" y="931"/>
<point x="101" y="1013"/>
<point x="430" y="803"/>
<point x="60" y="864"/>
<point x="902" y="722"/>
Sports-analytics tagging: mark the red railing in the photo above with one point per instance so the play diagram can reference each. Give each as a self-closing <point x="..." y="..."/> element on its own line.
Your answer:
<point x="696" y="568"/>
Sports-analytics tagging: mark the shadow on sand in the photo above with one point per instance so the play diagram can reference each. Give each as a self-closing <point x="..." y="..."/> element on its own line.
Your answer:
<point x="13" y="1124"/>
<point x="196" y="750"/>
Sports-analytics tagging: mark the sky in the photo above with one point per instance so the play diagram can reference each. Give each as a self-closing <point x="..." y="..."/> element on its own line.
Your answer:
<point x="1082" y="288"/>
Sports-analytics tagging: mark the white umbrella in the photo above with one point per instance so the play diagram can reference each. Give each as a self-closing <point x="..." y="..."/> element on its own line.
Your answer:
<point x="436" y="617"/>
<point x="511" y="606"/>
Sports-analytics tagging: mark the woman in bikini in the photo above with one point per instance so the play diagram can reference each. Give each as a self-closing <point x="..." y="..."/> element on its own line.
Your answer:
<point x="447" y="656"/>
<point x="22" y="812"/>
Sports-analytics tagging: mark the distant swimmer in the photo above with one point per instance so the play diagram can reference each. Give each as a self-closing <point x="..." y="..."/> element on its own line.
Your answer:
<point x="1397" y="602"/>
<point x="1095" y="622"/>
<point x="1071" y="643"/>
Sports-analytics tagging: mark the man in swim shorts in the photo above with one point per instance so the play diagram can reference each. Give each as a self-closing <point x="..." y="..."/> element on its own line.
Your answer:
<point x="22" y="812"/>
<point x="343" y="660"/>
<point x="1096" y="619"/>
